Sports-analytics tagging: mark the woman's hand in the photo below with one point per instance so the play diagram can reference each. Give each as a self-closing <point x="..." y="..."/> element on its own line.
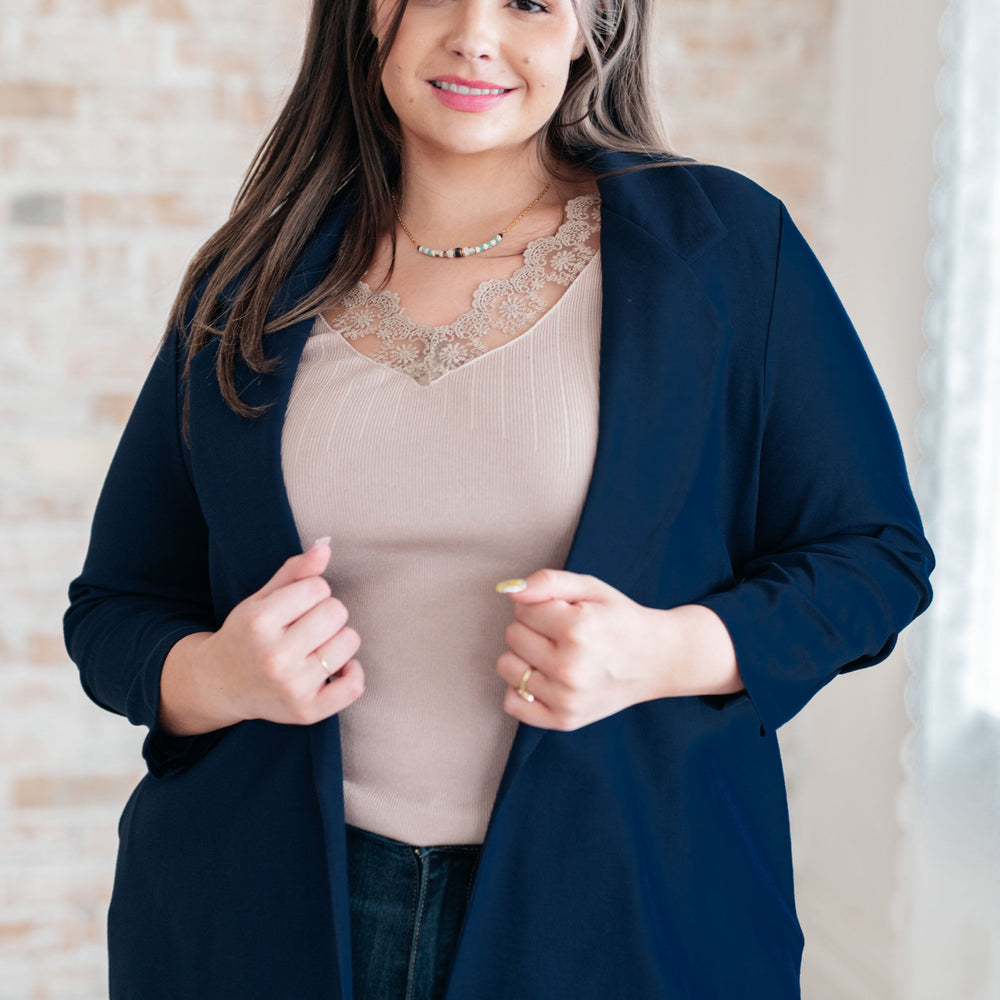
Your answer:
<point x="283" y="654"/>
<point x="593" y="652"/>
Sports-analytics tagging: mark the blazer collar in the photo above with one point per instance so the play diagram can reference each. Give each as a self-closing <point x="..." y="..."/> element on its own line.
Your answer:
<point x="677" y="213"/>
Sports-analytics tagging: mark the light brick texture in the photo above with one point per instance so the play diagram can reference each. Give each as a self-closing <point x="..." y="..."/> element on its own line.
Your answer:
<point x="125" y="127"/>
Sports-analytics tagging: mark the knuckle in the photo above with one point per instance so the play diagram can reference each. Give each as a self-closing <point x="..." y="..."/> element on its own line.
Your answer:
<point x="337" y="608"/>
<point x="575" y="634"/>
<point x="561" y="702"/>
<point x="255" y="626"/>
<point x="302" y="714"/>
<point x="283" y="706"/>
<point x="562" y="673"/>
<point x="506" y="663"/>
<point x="272" y="664"/>
<point x="337" y="625"/>
<point x="560" y="722"/>
<point x="350" y="637"/>
<point x="349" y="689"/>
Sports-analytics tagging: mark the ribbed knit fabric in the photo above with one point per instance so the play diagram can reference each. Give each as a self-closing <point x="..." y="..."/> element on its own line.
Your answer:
<point x="432" y="494"/>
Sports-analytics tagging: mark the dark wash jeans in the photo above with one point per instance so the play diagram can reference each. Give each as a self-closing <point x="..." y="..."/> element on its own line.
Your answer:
<point x="407" y="906"/>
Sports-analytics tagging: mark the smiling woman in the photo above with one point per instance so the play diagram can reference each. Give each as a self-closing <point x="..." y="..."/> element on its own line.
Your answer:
<point x="470" y="322"/>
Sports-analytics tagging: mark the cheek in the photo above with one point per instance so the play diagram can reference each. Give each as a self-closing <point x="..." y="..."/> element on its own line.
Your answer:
<point x="551" y="69"/>
<point x="551" y="85"/>
<point x="392" y="74"/>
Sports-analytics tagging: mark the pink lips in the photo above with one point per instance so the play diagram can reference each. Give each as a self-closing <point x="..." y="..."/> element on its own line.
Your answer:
<point x="468" y="102"/>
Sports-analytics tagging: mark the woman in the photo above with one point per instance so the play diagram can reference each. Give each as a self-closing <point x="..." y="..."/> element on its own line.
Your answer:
<point x="655" y="416"/>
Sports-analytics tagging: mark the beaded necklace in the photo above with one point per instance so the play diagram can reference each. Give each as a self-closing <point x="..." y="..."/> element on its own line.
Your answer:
<point x="467" y="251"/>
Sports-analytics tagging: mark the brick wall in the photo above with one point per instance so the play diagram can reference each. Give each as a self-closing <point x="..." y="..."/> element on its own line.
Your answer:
<point x="125" y="126"/>
<point x="745" y="83"/>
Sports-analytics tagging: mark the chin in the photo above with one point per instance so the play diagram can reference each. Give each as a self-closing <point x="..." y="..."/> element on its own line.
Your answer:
<point x="457" y="144"/>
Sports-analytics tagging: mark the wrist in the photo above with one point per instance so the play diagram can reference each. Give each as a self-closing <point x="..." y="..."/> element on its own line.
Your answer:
<point x="695" y="655"/>
<point x="191" y="702"/>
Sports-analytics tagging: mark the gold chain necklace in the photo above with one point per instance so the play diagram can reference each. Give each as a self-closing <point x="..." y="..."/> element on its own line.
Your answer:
<point x="467" y="251"/>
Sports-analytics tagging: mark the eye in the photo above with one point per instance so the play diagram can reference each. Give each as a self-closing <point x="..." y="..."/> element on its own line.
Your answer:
<point x="529" y="6"/>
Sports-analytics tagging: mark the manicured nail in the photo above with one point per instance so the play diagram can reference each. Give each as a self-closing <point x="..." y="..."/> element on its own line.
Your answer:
<point x="511" y="586"/>
<point x="325" y="540"/>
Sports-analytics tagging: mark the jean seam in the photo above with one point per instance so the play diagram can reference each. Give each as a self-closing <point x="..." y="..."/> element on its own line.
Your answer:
<point x="422" y="867"/>
<point x="468" y="884"/>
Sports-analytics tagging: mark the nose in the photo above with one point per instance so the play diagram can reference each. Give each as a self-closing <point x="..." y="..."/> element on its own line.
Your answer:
<point x="473" y="32"/>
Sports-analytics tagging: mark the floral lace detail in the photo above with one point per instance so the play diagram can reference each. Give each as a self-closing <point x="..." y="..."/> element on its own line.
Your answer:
<point x="509" y="305"/>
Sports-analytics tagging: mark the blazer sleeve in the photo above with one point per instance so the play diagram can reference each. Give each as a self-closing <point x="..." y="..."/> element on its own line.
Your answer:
<point x="145" y="580"/>
<point x="840" y="563"/>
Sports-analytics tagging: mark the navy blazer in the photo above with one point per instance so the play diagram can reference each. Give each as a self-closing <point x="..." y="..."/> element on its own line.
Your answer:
<point x="746" y="460"/>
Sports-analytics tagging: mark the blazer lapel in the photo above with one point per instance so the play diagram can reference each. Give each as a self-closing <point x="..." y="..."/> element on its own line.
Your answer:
<point x="239" y="460"/>
<point x="661" y="338"/>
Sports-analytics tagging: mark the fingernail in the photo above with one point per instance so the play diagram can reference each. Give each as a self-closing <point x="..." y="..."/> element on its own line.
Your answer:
<point x="325" y="540"/>
<point x="511" y="586"/>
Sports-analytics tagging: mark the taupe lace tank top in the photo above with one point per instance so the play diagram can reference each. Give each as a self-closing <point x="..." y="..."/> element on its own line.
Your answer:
<point x="441" y="460"/>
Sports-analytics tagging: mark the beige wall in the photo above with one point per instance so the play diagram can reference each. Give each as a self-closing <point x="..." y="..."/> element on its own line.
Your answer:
<point x="882" y="121"/>
<point x="746" y="83"/>
<point x="124" y="128"/>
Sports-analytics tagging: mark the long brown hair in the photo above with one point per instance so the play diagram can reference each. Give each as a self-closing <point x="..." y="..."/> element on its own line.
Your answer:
<point x="337" y="131"/>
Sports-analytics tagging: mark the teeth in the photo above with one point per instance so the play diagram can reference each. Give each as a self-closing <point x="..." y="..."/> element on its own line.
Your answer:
<point x="454" y="88"/>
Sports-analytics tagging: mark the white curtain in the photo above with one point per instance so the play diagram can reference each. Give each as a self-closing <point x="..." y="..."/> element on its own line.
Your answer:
<point x="948" y="911"/>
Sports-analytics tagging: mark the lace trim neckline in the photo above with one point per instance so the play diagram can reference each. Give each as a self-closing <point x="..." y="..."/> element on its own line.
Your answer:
<point x="510" y="306"/>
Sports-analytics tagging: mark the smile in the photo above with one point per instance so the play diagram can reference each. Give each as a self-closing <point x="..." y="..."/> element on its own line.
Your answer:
<point x="455" y="88"/>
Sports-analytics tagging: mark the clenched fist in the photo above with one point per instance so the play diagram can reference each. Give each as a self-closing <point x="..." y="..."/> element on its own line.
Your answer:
<point x="284" y="654"/>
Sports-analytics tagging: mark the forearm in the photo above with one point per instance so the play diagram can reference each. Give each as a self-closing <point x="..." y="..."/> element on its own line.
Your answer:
<point x="189" y="702"/>
<point x="694" y="654"/>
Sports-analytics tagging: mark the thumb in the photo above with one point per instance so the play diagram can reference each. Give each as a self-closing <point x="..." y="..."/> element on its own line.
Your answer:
<point x="554" y="584"/>
<point x="312" y="562"/>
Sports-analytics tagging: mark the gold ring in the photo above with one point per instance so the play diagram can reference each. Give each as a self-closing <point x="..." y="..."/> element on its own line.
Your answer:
<point x="323" y="664"/>
<point x="522" y="690"/>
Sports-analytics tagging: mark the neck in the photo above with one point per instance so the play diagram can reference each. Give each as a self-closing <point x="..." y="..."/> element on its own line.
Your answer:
<point x="467" y="199"/>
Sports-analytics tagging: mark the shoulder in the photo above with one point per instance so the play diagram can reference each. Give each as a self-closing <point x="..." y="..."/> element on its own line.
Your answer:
<point x="694" y="206"/>
<point x="736" y="198"/>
